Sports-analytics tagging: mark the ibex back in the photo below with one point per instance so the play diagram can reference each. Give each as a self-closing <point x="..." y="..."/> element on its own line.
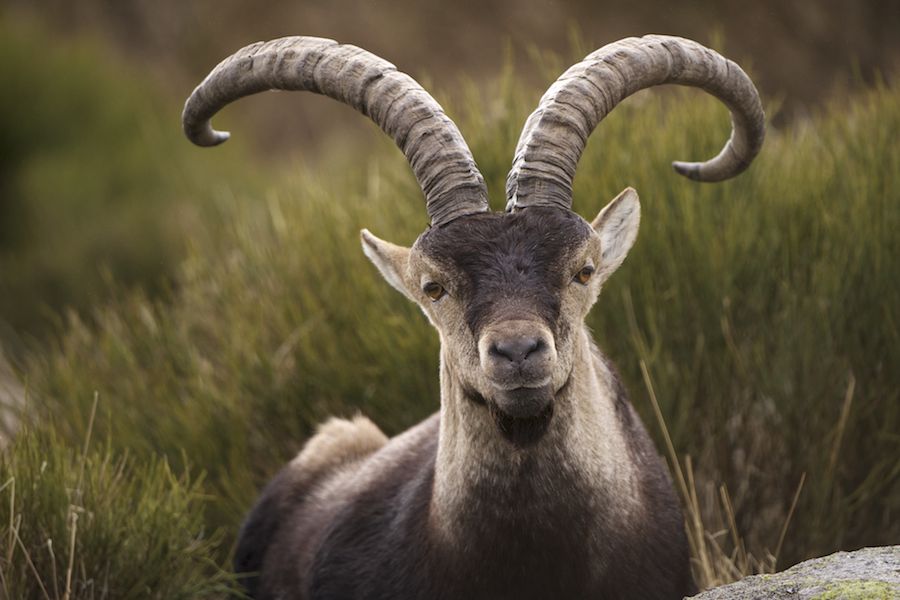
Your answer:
<point x="536" y="479"/>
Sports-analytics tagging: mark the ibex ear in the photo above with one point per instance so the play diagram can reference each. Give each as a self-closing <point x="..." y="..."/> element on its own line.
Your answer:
<point x="617" y="225"/>
<point x="392" y="260"/>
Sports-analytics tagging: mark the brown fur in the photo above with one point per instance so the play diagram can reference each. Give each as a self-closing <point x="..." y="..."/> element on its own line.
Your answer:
<point x="481" y="501"/>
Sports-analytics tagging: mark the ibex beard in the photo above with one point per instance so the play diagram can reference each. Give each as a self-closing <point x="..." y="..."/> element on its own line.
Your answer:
<point x="536" y="480"/>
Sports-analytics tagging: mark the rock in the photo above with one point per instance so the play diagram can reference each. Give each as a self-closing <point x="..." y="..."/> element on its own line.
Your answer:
<point x="867" y="574"/>
<point x="12" y="399"/>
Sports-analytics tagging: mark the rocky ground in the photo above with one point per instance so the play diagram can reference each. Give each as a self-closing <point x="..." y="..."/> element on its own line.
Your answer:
<point x="866" y="574"/>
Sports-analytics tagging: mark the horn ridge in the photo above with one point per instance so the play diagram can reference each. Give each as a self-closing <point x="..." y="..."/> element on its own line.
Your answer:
<point x="433" y="145"/>
<point x="555" y="134"/>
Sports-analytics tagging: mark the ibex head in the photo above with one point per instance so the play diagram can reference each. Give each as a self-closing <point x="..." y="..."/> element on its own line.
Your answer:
<point x="507" y="291"/>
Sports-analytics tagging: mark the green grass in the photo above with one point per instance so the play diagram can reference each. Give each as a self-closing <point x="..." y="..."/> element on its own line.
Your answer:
<point x="80" y="522"/>
<point x="764" y="310"/>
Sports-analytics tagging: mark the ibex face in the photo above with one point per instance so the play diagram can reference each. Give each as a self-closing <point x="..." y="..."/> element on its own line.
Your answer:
<point x="507" y="291"/>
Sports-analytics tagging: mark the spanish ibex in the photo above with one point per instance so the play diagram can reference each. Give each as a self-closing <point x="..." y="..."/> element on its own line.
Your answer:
<point x="536" y="479"/>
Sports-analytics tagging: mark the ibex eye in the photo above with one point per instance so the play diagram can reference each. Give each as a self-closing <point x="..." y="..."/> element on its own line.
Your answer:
<point x="584" y="275"/>
<point x="434" y="290"/>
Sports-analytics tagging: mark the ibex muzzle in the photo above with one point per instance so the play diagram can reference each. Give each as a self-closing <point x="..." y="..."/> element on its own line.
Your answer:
<point x="536" y="450"/>
<point x="518" y="358"/>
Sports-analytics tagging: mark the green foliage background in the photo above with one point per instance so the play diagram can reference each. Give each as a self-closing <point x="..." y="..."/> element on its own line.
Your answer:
<point x="222" y="308"/>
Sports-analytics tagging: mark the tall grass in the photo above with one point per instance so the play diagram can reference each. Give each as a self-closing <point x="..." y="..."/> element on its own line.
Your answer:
<point x="83" y="522"/>
<point x="762" y="312"/>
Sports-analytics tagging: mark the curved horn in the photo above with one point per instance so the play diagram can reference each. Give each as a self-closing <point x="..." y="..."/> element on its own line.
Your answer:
<point x="434" y="147"/>
<point x="555" y="134"/>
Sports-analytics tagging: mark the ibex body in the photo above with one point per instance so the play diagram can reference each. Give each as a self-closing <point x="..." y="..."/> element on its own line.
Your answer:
<point x="536" y="479"/>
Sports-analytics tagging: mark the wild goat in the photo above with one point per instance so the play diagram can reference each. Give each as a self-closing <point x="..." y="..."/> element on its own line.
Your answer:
<point x="536" y="479"/>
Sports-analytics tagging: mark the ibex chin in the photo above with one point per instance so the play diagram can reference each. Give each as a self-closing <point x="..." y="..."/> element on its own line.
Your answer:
<point x="536" y="479"/>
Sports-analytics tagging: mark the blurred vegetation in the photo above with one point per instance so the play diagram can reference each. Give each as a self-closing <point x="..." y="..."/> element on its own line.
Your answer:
<point x="765" y="310"/>
<point x="94" y="180"/>
<point x="800" y="51"/>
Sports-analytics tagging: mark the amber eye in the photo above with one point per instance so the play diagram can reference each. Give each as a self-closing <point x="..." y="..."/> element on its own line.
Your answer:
<point x="434" y="290"/>
<point x="584" y="275"/>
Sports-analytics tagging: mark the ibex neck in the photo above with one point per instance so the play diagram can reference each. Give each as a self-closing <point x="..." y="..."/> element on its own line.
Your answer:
<point x="582" y="461"/>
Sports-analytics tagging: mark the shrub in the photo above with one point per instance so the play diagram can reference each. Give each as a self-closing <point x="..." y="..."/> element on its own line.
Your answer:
<point x="94" y="195"/>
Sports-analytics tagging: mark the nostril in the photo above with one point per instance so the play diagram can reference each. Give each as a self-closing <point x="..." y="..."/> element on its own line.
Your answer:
<point x="516" y="349"/>
<point x="501" y="349"/>
<point x="537" y="346"/>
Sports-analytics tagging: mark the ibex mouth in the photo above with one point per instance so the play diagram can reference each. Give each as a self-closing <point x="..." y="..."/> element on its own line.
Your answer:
<point x="523" y="431"/>
<point x="523" y="402"/>
<point x="522" y="415"/>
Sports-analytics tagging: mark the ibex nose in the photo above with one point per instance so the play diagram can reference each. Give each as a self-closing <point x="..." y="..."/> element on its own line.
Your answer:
<point x="518" y="348"/>
<point x="517" y="353"/>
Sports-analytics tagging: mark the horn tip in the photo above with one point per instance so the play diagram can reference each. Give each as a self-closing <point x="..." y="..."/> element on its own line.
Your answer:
<point x="691" y="170"/>
<point x="213" y="138"/>
<point x="206" y="136"/>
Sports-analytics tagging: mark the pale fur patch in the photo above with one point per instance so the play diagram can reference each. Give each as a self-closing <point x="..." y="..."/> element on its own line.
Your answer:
<point x="349" y="480"/>
<point x="338" y="441"/>
<point x="597" y="440"/>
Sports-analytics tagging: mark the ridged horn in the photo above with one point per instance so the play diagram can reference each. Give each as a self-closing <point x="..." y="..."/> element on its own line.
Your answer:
<point x="431" y="142"/>
<point x="555" y="134"/>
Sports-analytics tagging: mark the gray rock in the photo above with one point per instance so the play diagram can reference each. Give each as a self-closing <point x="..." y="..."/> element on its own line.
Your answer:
<point x="12" y="399"/>
<point x="867" y="574"/>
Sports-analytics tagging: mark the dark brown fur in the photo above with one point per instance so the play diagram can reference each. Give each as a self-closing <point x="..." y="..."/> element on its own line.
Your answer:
<point x="511" y="261"/>
<point x="379" y="545"/>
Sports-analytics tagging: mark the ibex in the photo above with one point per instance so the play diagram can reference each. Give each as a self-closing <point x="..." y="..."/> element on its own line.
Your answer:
<point x="536" y="479"/>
